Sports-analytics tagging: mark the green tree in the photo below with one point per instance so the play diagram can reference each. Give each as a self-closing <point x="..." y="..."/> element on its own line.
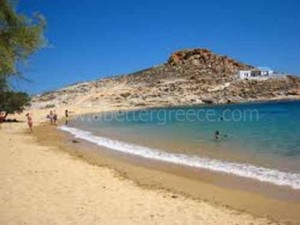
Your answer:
<point x="20" y="37"/>
<point x="12" y="102"/>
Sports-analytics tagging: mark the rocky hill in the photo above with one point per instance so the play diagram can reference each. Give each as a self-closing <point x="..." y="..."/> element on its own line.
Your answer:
<point x="189" y="77"/>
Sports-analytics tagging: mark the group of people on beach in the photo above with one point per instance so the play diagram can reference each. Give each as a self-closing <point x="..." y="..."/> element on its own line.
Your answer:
<point x="52" y="116"/>
<point x="28" y="117"/>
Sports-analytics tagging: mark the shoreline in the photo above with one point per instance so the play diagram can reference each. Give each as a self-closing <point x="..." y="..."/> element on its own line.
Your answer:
<point x="142" y="151"/>
<point x="204" y="188"/>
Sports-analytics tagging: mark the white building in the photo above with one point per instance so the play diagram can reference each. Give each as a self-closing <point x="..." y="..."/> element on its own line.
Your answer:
<point x="256" y="73"/>
<point x="265" y="71"/>
<point x="243" y="74"/>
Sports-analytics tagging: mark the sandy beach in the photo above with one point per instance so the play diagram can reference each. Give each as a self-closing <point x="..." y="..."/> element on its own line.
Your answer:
<point x="42" y="185"/>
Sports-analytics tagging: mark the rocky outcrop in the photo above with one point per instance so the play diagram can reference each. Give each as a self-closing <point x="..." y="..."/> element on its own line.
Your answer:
<point x="191" y="76"/>
<point x="206" y="58"/>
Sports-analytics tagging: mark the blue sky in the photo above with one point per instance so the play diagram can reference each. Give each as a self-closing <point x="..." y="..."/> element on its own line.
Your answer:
<point x="90" y="39"/>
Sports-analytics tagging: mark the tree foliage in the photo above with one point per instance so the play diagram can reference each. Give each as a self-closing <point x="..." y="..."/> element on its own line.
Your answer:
<point x="12" y="102"/>
<point x="20" y="37"/>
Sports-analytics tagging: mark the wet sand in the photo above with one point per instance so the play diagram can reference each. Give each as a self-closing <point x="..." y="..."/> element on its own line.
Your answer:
<point x="223" y="191"/>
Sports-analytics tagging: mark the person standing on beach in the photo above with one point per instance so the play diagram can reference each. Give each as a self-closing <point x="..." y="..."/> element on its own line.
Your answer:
<point x="51" y="117"/>
<point x="29" y="121"/>
<point x="54" y="117"/>
<point x="67" y="115"/>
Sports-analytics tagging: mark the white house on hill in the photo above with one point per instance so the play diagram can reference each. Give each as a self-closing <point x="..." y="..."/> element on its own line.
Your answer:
<point x="256" y="73"/>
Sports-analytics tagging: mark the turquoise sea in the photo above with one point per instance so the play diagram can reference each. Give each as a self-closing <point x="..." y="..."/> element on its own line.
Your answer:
<point x="258" y="140"/>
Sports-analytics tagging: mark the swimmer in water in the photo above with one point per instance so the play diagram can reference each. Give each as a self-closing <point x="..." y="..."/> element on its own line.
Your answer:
<point x="217" y="135"/>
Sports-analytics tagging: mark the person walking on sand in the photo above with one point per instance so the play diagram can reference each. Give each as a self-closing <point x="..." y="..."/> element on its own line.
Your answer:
<point x="54" y="118"/>
<point x="50" y="116"/>
<point x="29" y="121"/>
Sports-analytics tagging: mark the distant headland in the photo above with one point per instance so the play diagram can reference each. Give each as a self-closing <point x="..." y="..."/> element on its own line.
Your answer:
<point x="189" y="77"/>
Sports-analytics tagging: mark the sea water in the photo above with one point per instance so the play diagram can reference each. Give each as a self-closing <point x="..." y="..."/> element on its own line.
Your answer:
<point x="259" y="140"/>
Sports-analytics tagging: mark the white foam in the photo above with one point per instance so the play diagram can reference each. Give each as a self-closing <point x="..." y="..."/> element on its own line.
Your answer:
<point x="239" y="169"/>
